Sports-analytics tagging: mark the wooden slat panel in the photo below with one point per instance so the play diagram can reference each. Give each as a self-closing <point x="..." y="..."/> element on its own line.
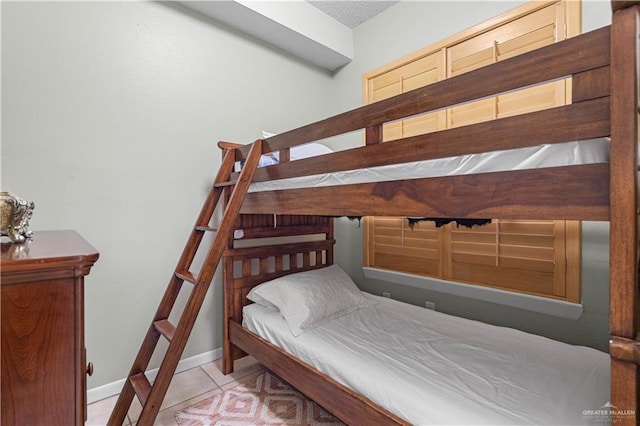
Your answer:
<point x="472" y="61"/>
<point x="418" y="266"/>
<point x="392" y="244"/>
<point x="473" y="259"/>
<point x="503" y="251"/>
<point x="532" y="99"/>
<point x="389" y="221"/>
<point x="512" y="32"/>
<point x="413" y="75"/>
<point x="389" y="234"/>
<point x="421" y="124"/>
<point x="397" y="245"/>
<point x="392" y="131"/>
<point x="526" y="43"/>
<point x="387" y="92"/>
<point x="398" y="240"/>
<point x="521" y="251"/>
<point x="517" y="250"/>
<point x="532" y="282"/>
<point x="523" y="35"/>
<point x="469" y="261"/>
<point x="384" y="231"/>
<point x="406" y="251"/>
<point x="536" y="227"/>
<point x="479" y="235"/>
<point x="467" y="247"/>
<point x="420" y="80"/>
<point x="420" y="66"/>
<point x="474" y="112"/>
<point x="530" y="265"/>
<point x="385" y="80"/>
<point x="575" y="192"/>
<point x="392" y="241"/>
<point x="407" y="77"/>
<point x="574" y="55"/>
<point x="585" y="120"/>
<point x="473" y="237"/>
<point x="528" y="240"/>
<point x="425" y="243"/>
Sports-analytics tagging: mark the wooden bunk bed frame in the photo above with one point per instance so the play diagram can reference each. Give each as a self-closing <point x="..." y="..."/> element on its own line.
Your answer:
<point x="603" y="65"/>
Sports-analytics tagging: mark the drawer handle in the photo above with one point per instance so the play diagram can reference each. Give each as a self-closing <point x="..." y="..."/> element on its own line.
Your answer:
<point x="90" y="369"/>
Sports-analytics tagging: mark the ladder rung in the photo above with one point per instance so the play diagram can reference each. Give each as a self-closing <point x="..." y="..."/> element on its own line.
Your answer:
<point x="206" y="229"/>
<point x="186" y="276"/>
<point x="151" y="396"/>
<point x="141" y="386"/>
<point x="165" y="328"/>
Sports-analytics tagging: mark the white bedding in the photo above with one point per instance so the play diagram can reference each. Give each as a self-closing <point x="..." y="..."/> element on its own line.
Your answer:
<point x="553" y="155"/>
<point x="432" y="368"/>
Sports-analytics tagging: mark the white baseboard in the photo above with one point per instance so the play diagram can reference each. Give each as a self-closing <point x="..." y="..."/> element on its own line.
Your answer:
<point x="114" y="388"/>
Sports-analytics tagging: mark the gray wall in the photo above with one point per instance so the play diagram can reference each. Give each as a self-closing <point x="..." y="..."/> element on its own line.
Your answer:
<point x="110" y="114"/>
<point x="403" y="29"/>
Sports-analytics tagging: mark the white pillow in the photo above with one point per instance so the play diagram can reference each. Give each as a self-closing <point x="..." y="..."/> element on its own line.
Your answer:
<point x="309" y="299"/>
<point x="256" y="298"/>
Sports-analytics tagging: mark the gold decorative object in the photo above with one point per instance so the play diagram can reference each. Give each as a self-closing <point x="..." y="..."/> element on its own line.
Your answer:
<point x="15" y="213"/>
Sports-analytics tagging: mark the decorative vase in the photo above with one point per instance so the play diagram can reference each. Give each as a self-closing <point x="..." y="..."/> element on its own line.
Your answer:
<point x="15" y="213"/>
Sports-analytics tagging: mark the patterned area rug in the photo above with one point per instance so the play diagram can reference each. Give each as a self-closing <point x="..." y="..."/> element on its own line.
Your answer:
<point x="263" y="400"/>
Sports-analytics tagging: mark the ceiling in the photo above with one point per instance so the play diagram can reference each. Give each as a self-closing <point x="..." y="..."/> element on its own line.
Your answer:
<point x="319" y="32"/>
<point x="352" y="13"/>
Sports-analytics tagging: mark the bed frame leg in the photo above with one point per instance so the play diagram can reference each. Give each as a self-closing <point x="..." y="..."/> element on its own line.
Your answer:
<point x="227" y="365"/>
<point x="624" y="292"/>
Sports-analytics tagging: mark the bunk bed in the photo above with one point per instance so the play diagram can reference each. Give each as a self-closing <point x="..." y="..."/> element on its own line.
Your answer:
<point x="603" y="65"/>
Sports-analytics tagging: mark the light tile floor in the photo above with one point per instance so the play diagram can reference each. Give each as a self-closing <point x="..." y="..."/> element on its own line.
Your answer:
<point x="187" y="388"/>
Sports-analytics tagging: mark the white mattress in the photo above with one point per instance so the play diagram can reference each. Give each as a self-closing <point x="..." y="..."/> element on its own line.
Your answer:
<point x="432" y="368"/>
<point x="553" y="155"/>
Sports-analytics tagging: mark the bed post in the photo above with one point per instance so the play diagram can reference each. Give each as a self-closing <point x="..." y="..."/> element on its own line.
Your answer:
<point x="624" y="318"/>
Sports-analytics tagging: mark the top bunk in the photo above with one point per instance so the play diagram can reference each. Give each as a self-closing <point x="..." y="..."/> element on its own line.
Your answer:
<point x="603" y="108"/>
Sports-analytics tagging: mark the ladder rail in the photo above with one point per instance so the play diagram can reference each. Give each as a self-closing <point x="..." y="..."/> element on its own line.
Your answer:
<point x="171" y="293"/>
<point x="180" y="334"/>
<point x="189" y="315"/>
<point x="195" y="237"/>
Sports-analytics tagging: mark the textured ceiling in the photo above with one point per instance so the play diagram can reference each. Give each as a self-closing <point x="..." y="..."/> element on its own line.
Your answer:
<point x="352" y="13"/>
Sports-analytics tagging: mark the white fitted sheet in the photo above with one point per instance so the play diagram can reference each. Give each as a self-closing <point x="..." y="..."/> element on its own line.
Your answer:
<point x="552" y="155"/>
<point x="432" y="368"/>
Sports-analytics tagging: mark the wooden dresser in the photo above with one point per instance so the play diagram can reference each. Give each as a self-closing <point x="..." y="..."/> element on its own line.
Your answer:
<point x="43" y="355"/>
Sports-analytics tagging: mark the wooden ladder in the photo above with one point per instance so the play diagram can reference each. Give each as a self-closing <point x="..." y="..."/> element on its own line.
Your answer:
<point x="152" y="395"/>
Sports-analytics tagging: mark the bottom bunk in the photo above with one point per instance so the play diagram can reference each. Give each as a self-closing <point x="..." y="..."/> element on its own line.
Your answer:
<point x="371" y="360"/>
<point x="431" y="368"/>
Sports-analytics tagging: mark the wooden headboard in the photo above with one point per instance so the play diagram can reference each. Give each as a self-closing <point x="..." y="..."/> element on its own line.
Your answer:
<point x="270" y="247"/>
